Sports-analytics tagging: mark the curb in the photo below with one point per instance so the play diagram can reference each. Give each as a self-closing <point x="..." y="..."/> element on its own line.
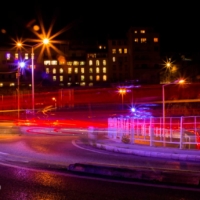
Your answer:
<point x="137" y="174"/>
<point x="174" y="156"/>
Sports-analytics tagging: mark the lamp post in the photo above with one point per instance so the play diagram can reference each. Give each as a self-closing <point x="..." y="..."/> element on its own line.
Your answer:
<point x="181" y="81"/>
<point x="54" y="99"/>
<point x="45" y="41"/>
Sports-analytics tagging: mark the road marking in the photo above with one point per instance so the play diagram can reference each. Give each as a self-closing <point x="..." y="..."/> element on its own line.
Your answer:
<point x="76" y="145"/>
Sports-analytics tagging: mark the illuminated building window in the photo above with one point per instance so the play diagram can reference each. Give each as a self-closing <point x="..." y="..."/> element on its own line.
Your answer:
<point x="1" y="84"/>
<point x="113" y="51"/>
<point x="90" y="62"/>
<point x="69" y="70"/>
<point x="69" y="63"/>
<point x="54" y="70"/>
<point x="97" y="78"/>
<point x="8" y="56"/>
<point x="61" y="70"/>
<point x="54" y="62"/>
<point x="136" y="40"/>
<point x="97" y="63"/>
<point x="82" y="70"/>
<point x="104" y="62"/>
<point x="12" y="84"/>
<point x="135" y="31"/>
<point x="104" y="70"/>
<point x="97" y="70"/>
<point x="90" y="70"/>
<point x="104" y="47"/>
<point x="142" y="31"/>
<point x="61" y="78"/>
<point x="100" y="47"/>
<point x="113" y="59"/>
<point x="120" y="50"/>
<point x="91" y="78"/>
<point x="61" y="60"/>
<point x="104" y="78"/>
<point x="75" y="63"/>
<point x="125" y="50"/>
<point x="143" y="40"/>
<point x="82" y="84"/>
<point x="69" y="84"/>
<point x="54" y="78"/>
<point x="47" y="70"/>
<point x="90" y="84"/>
<point x="76" y="70"/>
<point x="82" y="63"/>
<point x="26" y="56"/>
<point x="82" y="78"/>
<point x="155" y="39"/>
<point x="92" y="55"/>
<point x="16" y="56"/>
<point x="47" y="62"/>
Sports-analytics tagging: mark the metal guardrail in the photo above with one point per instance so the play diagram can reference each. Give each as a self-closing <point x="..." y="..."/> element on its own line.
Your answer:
<point x="178" y="132"/>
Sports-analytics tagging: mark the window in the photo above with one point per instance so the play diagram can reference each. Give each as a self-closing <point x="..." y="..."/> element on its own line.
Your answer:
<point x="92" y="55"/>
<point x="47" y="62"/>
<point x="16" y="56"/>
<point x="69" y="63"/>
<point x="104" y="78"/>
<point x="120" y="50"/>
<point x="143" y="40"/>
<point x="91" y="78"/>
<point x="69" y="70"/>
<point x="90" y="70"/>
<point x="82" y="63"/>
<point x="1" y="84"/>
<point x="47" y="70"/>
<point x="26" y="56"/>
<point x="97" y="70"/>
<point x="82" y="70"/>
<point x="135" y="31"/>
<point x="90" y="84"/>
<point x="12" y="84"/>
<point x="104" y="69"/>
<point x="70" y="78"/>
<point x="125" y="50"/>
<point x="8" y="56"/>
<point x="54" y="78"/>
<point x="75" y="63"/>
<point x="113" y="51"/>
<point x="113" y="59"/>
<point x="54" y="70"/>
<point x="61" y="78"/>
<point x="97" y="78"/>
<point x="54" y="62"/>
<point x="136" y="40"/>
<point x="155" y="39"/>
<point x="82" y="77"/>
<point x="142" y="31"/>
<point x="61" y="70"/>
<point x="82" y="84"/>
<point x="90" y="62"/>
<point x="100" y="47"/>
<point x="97" y="63"/>
<point x="104" y="62"/>
<point x="76" y="70"/>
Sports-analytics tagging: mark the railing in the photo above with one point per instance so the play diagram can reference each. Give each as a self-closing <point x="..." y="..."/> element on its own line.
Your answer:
<point x="178" y="132"/>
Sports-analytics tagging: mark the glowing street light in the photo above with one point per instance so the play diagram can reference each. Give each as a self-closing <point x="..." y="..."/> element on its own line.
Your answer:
<point x="181" y="81"/>
<point x="122" y="91"/>
<point x="45" y="41"/>
<point x="54" y="99"/>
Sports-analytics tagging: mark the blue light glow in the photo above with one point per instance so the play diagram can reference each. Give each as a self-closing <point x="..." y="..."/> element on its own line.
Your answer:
<point x="133" y="109"/>
<point x="22" y="64"/>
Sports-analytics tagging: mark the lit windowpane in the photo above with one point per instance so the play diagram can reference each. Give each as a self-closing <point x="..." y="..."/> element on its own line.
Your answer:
<point x="82" y="70"/>
<point x="54" y="62"/>
<point x="26" y="56"/>
<point x="97" y="78"/>
<point x="142" y="31"/>
<point x="125" y="50"/>
<point x="104" y="69"/>
<point x="91" y="78"/>
<point x="16" y="56"/>
<point x="97" y="63"/>
<point x="113" y="59"/>
<point x="113" y="51"/>
<point x="136" y="40"/>
<point x="155" y="39"/>
<point x="104" y="62"/>
<point x="120" y="50"/>
<point x="54" y="78"/>
<point x="75" y="63"/>
<point x="97" y="70"/>
<point x="54" y="70"/>
<point x="104" y="78"/>
<point x="135" y="31"/>
<point x="69" y="63"/>
<point x="90" y="62"/>
<point x="69" y="70"/>
<point x="91" y="70"/>
<point x="61" y="70"/>
<point x="61" y="78"/>
<point x="47" y="70"/>
<point x="143" y="40"/>
<point x="1" y="84"/>
<point x="8" y="56"/>
<point x="76" y="70"/>
<point x="12" y="84"/>
<point x="47" y="62"/>
<point x="82" y="78"/>
<point x="82" y="63"/>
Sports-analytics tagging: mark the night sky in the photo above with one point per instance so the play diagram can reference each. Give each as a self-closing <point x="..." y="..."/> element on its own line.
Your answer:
<point x="178" y="24"/>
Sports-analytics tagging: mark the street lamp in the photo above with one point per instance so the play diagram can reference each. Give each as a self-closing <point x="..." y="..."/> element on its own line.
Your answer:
<point x="122" y="91"/>
<point x="181" y="81"/>
<point x="54" y="99"/>
<point x="45" y="41"/>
